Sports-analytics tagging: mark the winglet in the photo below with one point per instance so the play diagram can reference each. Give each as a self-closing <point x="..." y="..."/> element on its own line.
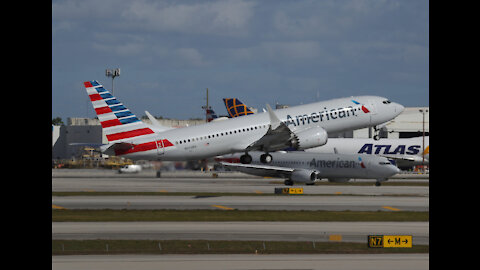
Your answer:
<point x="274" y="121"/>
<point x="152" y="119"/>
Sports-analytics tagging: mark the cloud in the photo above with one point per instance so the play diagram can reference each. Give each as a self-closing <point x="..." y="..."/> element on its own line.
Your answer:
<point x="189" y="57"/>
<point x="228" y="18"/>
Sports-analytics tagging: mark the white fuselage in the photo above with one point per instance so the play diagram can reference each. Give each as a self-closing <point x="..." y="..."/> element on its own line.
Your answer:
<point x="407" y="151"/>
<point x="236" y="134"/>
<point x="333" y="166"/>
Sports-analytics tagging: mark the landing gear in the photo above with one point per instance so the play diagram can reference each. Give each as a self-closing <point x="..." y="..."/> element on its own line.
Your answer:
<point x="379" y="181"/>
<point x="266" y="158"/>
<point x="288" y="182"/>
<point x="246" y="159"/>
<point x="376" y="132"/>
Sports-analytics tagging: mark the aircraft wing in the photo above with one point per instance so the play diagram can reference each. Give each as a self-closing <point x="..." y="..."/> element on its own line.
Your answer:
<point x="158" y="127"/>
<point x="277" y="137"/>
<point x="260" y="170"/>
<point x="403" y="157"/>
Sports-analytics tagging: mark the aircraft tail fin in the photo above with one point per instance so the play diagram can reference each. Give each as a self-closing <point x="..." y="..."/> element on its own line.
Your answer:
<point x="118" y="122"/>
<point x="236" y="108"/>
<point x="211" y="115"/>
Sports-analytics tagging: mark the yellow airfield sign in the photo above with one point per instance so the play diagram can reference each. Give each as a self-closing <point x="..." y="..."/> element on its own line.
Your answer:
<point x="390" y="241"/>
<point x="397" y="241"/>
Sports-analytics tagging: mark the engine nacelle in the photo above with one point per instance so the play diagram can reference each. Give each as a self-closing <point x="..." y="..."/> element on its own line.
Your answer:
<point x="304" y="176"/>
<point x="312" y="137"/>
<point x="338" y="180"/>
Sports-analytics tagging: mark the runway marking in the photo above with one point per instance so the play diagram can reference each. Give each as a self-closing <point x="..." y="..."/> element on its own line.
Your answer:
<point x="163" y="190"/>
<point x="223" y="207"/>
<point x="335" y="237"/>
<point x="338" y="193"/>
<point x="391" y="208"/>
<point x="89" y="190"/>
<point x="258" y="192"/>
<point x="57" y="207"/>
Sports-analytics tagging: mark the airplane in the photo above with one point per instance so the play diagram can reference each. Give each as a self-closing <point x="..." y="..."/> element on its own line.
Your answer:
<point x="405" y="152"/>
<point x="300" y="127"/>
<point x="304" y="167"/>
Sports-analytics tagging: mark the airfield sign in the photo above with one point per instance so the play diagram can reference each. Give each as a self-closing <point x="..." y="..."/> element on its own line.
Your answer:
<point x="390" y="241"/>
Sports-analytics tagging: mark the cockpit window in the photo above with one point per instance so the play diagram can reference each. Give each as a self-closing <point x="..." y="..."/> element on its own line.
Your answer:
<point x="384" y="163"/>
<point x="386" y="101"/>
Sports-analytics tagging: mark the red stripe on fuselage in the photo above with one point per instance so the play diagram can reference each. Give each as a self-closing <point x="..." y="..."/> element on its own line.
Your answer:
<point x="88" y="84"/>
<point x="129" y="134"/>
<point x="144" y="147"/>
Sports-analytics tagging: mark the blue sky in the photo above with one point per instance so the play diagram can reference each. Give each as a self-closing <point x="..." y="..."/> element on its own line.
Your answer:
<point x="287" y="52"/>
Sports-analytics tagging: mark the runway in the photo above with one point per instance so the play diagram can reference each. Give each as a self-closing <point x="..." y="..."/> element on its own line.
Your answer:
<point x="268" y="231"/>
<point x="98" y="180"/>
<point x="279" y="202"/>
<point x="236" y="262"/>
<point x="319" y="197"/>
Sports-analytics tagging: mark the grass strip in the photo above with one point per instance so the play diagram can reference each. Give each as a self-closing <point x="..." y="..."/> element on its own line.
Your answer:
<point x="82" y="247"/>
<point x="203" y="194"/>
<point x="83" y="215"/>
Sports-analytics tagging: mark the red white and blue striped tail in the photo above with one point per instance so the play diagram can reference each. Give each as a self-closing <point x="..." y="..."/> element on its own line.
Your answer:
<point x="118" y="123"/>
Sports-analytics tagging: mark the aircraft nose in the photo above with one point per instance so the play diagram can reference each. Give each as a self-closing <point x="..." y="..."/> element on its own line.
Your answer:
<point x="394" y="169"/>
<point x="399" y="108"/>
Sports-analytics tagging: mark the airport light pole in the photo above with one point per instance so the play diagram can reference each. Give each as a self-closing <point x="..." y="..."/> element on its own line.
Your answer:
<point x="206" y="109"/>
<point x="423" y="139"/>
<point x="112" y="73"/>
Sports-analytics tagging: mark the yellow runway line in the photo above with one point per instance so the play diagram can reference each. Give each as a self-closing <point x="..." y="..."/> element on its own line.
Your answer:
<point x="391" y="208"/>
<point x="223" y="207"/>
<point x="57" y="207"/>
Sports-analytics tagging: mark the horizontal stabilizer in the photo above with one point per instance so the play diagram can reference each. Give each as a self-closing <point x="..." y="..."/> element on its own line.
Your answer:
<point x="111" y="149"/>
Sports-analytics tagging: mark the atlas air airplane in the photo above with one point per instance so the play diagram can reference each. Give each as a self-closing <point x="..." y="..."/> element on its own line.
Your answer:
<point x="404" y="151"/>
<point x="302" y="167"/>
<point x="300" y="127"/>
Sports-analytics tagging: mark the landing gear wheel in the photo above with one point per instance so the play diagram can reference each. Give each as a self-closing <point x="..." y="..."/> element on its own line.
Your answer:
<point x="378" y="184"/>
<point x="288" y="183"/>
<point x="266" y="158"/>
<point x="376" y="137"/>
<point x="246" y="159"/>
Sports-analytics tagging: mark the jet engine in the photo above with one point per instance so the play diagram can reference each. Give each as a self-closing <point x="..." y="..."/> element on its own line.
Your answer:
<point x="303" y="176"/>
<point x="308" y="138"/>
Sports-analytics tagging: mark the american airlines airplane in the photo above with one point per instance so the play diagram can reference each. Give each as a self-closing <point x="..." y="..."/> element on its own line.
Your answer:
<point x="300" y="127"/>
<point x="305" y="167"/>
<point x="404" y="152"/>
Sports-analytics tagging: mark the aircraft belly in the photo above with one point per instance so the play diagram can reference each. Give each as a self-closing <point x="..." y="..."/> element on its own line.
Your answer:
<point x="342" y="173"/>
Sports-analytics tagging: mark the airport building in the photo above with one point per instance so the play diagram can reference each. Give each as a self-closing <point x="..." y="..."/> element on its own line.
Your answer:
<point x="68" y="141"/>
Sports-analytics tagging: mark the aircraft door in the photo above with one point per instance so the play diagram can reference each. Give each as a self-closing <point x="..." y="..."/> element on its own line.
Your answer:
<point x="372" y="110"/>
<point x="160" y="148"/>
